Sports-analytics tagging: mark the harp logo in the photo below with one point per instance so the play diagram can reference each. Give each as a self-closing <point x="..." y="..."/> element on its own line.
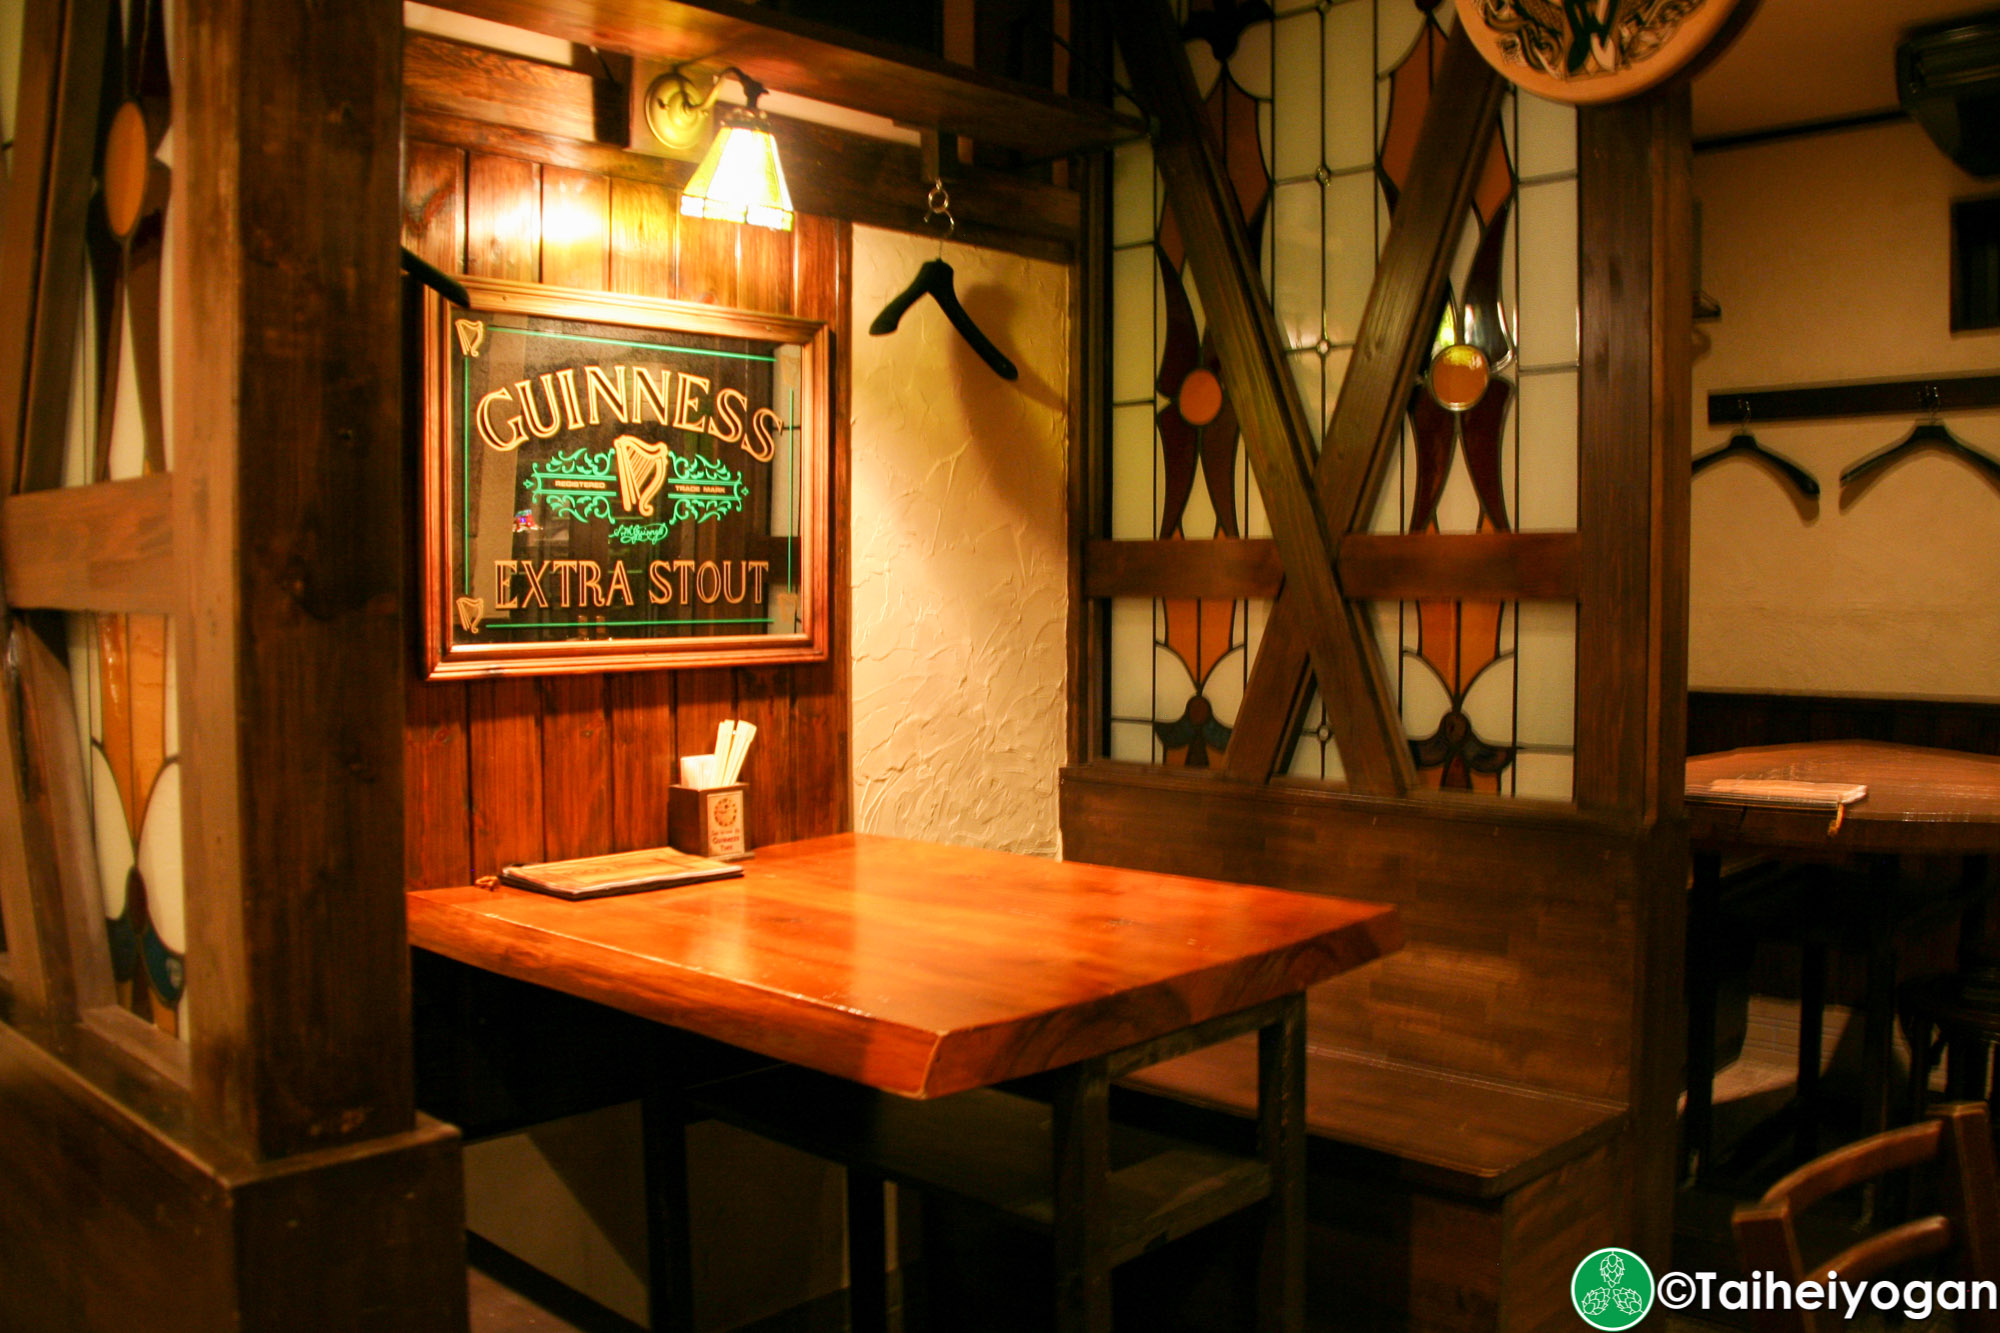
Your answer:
<point x="642" y="470"/>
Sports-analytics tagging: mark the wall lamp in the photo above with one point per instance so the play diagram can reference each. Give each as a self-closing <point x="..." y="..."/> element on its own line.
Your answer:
<point x="740" y="178"/>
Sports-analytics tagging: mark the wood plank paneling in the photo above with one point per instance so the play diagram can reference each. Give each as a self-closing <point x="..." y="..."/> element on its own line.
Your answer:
<point x="576" y="229"/>
<point x="437" y="824"/>
<point x="576" y="764"/>
<point x="643" y="750"/>
<point x="1489" y="984"/>
<point x="643" y="222"/>
<point x="821" y="702"/>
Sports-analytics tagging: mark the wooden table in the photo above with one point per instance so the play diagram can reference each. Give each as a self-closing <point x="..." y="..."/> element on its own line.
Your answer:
<point x="927" y="971"/>
<point x="1920" y="801"/>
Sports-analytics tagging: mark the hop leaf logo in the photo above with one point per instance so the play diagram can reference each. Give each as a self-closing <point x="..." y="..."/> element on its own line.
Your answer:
<point x="1612" y="1289"/>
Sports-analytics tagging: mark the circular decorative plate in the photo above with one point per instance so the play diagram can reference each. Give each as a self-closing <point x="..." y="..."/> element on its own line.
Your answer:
<point x="1599" y="50"/>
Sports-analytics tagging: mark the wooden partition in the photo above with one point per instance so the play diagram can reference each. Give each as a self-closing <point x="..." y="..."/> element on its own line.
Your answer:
<point x="528" y="769"/>
<point x="1544" y="948"/>
<point x="261" y="1167"/>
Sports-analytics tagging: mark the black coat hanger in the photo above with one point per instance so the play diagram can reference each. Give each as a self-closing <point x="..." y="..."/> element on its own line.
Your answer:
<point x="934" y="279"/>
<point x="1744" y="443"/>
<point x="1930" y="434"/>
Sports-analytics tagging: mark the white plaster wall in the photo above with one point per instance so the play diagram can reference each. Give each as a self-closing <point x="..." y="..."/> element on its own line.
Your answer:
<point x="960" y="555"/>
<point x="1830" y="256"/>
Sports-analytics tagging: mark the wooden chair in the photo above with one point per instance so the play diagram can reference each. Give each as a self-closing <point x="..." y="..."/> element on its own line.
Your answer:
<point x="1959" y="1142"/>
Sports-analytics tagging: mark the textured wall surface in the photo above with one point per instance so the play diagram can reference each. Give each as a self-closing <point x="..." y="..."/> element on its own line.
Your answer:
<point x="1831" y="257"/>
<point x="960" y="555"/>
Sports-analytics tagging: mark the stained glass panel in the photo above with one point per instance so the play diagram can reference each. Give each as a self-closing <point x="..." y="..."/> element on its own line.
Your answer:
<point x="122" y="666"/>
<point x="122" y="675"/>
<point x="1317" y="109"/>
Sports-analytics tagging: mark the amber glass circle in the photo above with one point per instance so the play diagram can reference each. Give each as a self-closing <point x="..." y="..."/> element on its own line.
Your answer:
<point x="127" y="158"/>
<point x="1200" y="397"/>
<point x="1458" y="377"/>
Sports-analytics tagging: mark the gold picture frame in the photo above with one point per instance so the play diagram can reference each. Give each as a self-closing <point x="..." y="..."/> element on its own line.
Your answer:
<point x="618" y="483"/>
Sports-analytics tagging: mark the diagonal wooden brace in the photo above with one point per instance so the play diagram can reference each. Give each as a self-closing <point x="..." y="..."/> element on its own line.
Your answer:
<point x="1276" y="429"/>
<point x="1396" y="329"/>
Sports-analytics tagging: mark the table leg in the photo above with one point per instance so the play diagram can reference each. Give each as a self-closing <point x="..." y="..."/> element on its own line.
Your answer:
<point x="1082" y="1134"/>
<point x="1812" y="1016"/>
<point x="867" y="1245"/>
<point x="1281" y="1141"/>
<point x="1879" y="1008"/>
<point x="1698" y="1124"/>
<point x="669" y="1268"/>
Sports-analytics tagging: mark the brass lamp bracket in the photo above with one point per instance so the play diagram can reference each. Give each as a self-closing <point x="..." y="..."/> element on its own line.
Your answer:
<point x="671" y="116"/>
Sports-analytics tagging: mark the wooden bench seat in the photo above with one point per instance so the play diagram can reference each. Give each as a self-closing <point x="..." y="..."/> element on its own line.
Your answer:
<point x="1437" y="1202"/>
<point x="1465" y="1136"/>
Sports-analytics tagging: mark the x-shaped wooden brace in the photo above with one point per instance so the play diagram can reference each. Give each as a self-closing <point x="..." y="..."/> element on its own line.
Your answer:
<point x="1313" y="505"/>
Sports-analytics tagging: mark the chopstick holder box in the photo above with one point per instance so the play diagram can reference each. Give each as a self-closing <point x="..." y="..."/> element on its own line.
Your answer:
<point x="710" y="821"/>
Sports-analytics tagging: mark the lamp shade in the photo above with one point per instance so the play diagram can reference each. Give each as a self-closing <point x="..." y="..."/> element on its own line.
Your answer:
<point x="740" y="179"/>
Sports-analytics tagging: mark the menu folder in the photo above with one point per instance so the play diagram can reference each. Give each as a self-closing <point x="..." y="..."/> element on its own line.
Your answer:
<point x="620" y="872"/>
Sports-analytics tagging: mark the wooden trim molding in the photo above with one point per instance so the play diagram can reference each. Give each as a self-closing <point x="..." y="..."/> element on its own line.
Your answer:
<point x="108" y="547"/>
<point x="483" y="101"/>
<point x="795" y="55"/>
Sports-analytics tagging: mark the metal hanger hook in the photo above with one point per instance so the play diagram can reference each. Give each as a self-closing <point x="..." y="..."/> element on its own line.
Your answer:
<point x="937" y="204"/>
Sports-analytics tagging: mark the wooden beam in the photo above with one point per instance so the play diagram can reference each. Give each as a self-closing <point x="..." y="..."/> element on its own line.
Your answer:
<point x="486" y="102"/>
<point x="792" y="55"/>
<point x="108" y="547"/>
<point x="1221" y="568"/>
<point x="456" y="79"/>
<point x="1480" y="566"/>
<point x="1277" y="432"/>
<point x="1633" y="426"/>
<point x="288" y="518"/>
<point x="1397" y="327"/>
<point x="1504" y="566"/>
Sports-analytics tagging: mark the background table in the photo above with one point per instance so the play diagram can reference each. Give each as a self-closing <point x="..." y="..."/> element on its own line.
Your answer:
<point x="1920" y="801"/>
<point x="924" y="971"/>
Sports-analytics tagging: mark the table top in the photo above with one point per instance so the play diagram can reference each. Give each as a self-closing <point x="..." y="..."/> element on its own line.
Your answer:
<point x="916" y="968"/>
<point x="1919" y="800"/>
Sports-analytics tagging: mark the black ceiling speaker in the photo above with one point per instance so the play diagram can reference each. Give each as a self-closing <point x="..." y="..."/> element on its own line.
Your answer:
<point x="1948" y="77"/>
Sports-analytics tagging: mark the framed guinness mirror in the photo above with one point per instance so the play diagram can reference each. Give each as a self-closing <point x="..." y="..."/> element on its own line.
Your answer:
<point x="615" y="483"/>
